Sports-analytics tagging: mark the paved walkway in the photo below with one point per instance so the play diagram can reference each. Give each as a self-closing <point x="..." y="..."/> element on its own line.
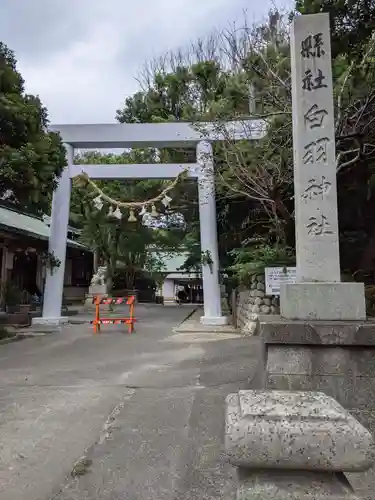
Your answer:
<point x="144" y="413"/>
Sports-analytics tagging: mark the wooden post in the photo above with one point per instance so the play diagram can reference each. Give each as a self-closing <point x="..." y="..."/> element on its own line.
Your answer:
<point x="97" y="315"/>
<point x="131" y="314"/>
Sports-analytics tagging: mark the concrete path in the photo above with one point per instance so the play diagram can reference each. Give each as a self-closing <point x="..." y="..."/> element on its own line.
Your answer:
<point x="134" y="417"/>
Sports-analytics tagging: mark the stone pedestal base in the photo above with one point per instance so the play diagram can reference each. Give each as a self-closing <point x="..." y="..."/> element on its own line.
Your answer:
<point x="214" y="321"/>
<point x="89" y="302"/>
<point x="323" y="301"/>
<point x="169" y="301"/>
<point x="50" y="321"/>
<point x="335" y="357"/>
<point x="294" y="445"/>
<point x="98" y="289"/>
<point x="291" y="485"/>
<point x="94" y="290"/>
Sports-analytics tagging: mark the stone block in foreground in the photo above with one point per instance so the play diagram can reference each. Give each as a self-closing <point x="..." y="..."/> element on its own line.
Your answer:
<point x="294" y="445"/>
<point x="295" y="430"/>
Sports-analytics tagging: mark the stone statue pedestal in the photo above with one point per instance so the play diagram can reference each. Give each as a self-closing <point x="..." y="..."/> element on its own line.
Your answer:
<point x="98" y="289"/>
<point x="95" y="290"/>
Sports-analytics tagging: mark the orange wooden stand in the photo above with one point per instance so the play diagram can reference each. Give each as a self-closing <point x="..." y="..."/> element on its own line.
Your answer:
<point x="130" y="301"/>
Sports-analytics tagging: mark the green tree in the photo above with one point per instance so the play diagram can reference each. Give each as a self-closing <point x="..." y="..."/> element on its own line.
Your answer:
<point x="31" y="158"/>
<point x="352" y="23"/>
<point x="121" y="245"/>
<point x="184" y="94"/>
<point x="191" y="92"/>
<point x="129" y="247"/>
<point x="255" y="178"/>
<point x="353" y="50"/>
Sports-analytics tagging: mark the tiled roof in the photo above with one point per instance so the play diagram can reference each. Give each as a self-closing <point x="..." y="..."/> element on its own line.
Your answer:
<point x="32" y="226"/>
<point x="174" y="261"/>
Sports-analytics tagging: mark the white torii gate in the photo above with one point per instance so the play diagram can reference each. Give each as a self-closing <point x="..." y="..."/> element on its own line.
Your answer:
<point x="158" y="135"/>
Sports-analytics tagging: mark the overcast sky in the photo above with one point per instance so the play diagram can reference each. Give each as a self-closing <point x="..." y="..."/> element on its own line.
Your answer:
<point x="81" y="56"/>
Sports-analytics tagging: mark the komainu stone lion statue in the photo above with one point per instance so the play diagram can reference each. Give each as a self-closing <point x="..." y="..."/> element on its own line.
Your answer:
<point x="100" y="276"/>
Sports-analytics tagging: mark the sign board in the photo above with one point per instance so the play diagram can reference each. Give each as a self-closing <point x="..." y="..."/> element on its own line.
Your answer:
<point x="274" y="276"/>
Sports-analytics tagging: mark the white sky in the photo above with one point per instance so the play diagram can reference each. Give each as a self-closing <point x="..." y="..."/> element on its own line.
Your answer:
<point x="82" y="56"/>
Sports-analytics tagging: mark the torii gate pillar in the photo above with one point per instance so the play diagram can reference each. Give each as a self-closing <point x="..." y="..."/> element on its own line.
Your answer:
<point x="208" y="230"/>
<point x="53" y="290"/>
<point x="116" y="135"/>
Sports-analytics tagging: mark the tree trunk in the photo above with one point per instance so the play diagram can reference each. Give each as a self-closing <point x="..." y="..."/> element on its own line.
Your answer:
<point x="288" y="226"/>
<point x="109" y="278"/>
<point x="129" y="279"/>
<point x="109" y="283"/>
<point x="281" y="208"/>
<point x="96" y="261"/>
<point x="368" y="256"/>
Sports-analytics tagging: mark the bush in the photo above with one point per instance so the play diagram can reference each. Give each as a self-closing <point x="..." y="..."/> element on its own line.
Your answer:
<point x="254" y="259"/>
<point x="4" y="334"/>
<point x="370" y="300"/>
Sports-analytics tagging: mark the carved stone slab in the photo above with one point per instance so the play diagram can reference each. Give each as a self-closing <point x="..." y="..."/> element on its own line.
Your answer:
<point x="98" y="289"/>
<point x="295" y="430"/>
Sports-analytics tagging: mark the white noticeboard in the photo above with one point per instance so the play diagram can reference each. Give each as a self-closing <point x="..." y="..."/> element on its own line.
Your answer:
<point x="274" y="276"/>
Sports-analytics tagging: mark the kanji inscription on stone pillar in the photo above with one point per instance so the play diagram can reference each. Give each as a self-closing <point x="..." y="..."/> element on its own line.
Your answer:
<point x="317" y="237"/>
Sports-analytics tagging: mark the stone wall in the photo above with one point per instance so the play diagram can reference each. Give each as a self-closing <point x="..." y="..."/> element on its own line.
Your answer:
<point x="254" y="301"/>
<point x="346" y="373"/>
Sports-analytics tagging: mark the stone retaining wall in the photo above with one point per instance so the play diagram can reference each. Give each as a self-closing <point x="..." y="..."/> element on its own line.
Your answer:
<point x="254" y="301"/>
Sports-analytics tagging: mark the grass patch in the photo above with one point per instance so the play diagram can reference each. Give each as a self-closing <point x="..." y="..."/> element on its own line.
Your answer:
<point x="4" y="334"/>
<point x="82" y="467"/>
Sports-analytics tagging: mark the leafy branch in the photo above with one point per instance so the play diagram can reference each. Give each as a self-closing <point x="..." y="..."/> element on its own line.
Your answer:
<point x="50" y="260"/>
<point x="206" y="259"/>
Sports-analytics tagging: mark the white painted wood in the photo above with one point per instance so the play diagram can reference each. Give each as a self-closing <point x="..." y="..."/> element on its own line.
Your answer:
<point x="168" y="289"/>
<point x="53" y="289"/>
<point x="208" y="231"/>
<point x="135" y="171"/>
<point x="140" y="135"/>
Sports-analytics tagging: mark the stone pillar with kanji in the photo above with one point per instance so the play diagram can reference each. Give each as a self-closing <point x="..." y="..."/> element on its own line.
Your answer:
<point x="318" y="293"/>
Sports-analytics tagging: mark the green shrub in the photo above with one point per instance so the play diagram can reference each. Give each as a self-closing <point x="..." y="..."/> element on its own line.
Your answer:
<point x="254" y="259"/>
<point x="4" y="332"/>
<point x="370" y="300"/>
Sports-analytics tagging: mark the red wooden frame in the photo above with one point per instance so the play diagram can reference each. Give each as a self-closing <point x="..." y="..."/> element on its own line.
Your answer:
<point x="114" y="321"/>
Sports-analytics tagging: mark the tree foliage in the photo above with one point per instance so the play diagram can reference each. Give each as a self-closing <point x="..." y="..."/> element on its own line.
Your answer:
<point x="245" y="73"/>
<point x="218" y="89"/>
<point x="353" y="49"/>
<point x="128" y="247"/>
<point x="352" y="23"/>
<point x="254" y="258"/>
<point x="30" y="157"/>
